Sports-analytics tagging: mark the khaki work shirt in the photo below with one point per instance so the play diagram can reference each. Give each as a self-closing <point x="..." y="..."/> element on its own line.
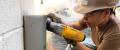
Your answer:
<point x="107" y="37"/>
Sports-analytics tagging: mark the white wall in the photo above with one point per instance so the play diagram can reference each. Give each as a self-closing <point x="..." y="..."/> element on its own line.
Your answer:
<point x="11" y="32"/>
<point x="27" y="7"/>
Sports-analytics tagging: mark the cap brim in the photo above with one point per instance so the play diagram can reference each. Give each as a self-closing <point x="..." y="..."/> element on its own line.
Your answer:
<point x="86" y="9"/>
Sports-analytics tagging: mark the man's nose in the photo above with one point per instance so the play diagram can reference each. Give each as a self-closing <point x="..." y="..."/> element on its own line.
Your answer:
<point x="85" y="19"/>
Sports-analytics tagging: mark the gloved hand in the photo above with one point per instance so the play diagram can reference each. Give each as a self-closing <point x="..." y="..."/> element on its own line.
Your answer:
<point x="54" y="18"/>
<point x="48" y="22"/>
<point x="71" y="42"/>
<point x="54" y="27"/>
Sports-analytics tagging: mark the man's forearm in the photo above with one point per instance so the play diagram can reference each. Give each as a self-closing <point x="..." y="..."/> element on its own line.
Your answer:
<point x="80" y="46"/>
<point x="79" y="25"/>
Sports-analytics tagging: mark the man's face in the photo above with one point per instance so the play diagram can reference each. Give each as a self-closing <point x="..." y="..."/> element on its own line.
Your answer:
<point x="94" y="18"/>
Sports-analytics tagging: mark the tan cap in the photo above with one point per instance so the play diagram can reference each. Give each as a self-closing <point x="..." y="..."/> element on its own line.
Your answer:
<point x="85" y="6"/>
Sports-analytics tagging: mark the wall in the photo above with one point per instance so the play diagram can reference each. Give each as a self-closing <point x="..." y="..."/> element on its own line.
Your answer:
<point x="11" y="31"/>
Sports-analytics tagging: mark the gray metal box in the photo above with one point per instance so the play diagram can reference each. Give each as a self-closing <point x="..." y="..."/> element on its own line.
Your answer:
<point x="35" y="32"/>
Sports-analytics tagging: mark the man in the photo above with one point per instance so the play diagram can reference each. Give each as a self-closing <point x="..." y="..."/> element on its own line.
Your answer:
<point x="100" y="17"/>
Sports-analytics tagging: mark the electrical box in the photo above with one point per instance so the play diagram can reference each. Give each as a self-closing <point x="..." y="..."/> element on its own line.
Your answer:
<point x="35" y="32"/>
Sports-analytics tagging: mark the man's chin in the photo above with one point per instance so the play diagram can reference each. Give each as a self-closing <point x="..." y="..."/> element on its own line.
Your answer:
<point x="90" y="25"/>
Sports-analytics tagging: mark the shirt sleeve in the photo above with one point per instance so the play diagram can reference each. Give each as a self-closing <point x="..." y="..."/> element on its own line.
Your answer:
<point x="111" y="42"/>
